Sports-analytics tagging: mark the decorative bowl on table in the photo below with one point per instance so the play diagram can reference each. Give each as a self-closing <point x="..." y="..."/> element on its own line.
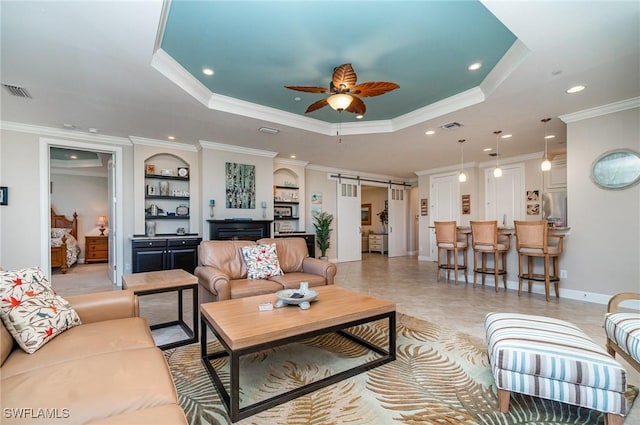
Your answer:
<point x="296" y="296"/>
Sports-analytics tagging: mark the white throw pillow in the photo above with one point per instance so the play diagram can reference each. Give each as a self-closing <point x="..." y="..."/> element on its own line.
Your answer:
<point x="262" y="261"/>
<point x="31" y="310"/>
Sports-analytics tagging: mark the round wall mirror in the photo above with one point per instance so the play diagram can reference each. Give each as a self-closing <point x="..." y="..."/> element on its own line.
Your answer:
<point x="617" y="169"/>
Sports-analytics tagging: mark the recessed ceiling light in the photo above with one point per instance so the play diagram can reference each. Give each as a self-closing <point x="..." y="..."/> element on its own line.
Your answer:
<point x="475" y="66"/>
<point x="69" y="126"/>
<point x="550" y="136"/>
<point x="429" y="132"/>
<point x="359" y="117"/>
<point x="487" y="149"/>
<point x="297" y="98"/>
<point x="268" y="130"/>
<point x="506" y="136"/>
<point x="171" y="137"/>
<point x="73" y="156"/>
<point x="293" y="157"/>
<point x="93" y="130"/>
<point x="575" y="89"/>
<point x="207" y="71"/>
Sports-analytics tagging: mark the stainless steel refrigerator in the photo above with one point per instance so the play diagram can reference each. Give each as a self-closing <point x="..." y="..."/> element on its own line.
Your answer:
<point x="554" y="208"/>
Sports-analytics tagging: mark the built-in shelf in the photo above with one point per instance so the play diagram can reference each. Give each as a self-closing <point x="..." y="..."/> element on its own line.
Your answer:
<point x="286" y="202"/>
<point x="175" y="198"/>
<point x="167" y="217"/>
<point x="287" y="187"/>
<point x="161" y="177"/>
<point x="286" y="218"/>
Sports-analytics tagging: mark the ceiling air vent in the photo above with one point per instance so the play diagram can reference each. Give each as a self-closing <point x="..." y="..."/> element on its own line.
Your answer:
<point x="451" y="125"/>
<point x="17" y="91"/>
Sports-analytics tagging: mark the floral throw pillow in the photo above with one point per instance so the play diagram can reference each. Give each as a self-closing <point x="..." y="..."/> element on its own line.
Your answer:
<point x="262" y="261"/>
<point x="31" y="310"/>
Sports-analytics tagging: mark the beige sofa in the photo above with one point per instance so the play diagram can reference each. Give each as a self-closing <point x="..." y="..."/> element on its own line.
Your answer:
<point x="105" y="371"/>
<point x="222" y="272"/>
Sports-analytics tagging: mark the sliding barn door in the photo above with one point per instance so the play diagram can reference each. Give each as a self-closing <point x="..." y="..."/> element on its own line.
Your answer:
<point x="348" y="221"/>
<point x="397" y="227"/>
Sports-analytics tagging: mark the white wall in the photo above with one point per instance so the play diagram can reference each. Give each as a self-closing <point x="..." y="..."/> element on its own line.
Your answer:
<point x="602" y="253"/>
<point x="20" y="231"/>
<point x="214" y="187"/>
<point x="85" y="195"/>
<point x="317" y="181"/>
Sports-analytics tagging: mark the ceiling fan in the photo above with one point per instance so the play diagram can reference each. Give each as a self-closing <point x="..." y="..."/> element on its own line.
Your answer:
<point x="345" y="94"/>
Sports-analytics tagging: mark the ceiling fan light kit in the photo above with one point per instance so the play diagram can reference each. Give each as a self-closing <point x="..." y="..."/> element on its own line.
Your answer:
<point x="339" y="101"/>
<point x="345" y="94"/>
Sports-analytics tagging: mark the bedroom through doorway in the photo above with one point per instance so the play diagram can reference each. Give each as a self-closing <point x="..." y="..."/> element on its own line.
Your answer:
<point x="80" y="218"/>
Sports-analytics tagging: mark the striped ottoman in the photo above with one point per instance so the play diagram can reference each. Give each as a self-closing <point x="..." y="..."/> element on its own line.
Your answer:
<point x="555" y="360"/>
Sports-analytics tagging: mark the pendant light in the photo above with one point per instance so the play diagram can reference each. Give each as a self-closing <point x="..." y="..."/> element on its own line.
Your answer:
<point x="546" y="164"/>
<point x="462" y="177"/>
<point x="497" y="172"/>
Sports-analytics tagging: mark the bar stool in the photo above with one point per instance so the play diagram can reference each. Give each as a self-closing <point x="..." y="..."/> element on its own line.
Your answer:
<point x="485" y="240"/>
<point x="448" y="241"/>
<point x="532" y="240"/>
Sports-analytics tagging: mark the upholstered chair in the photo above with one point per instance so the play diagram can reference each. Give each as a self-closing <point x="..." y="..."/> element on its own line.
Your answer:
<point x="486" y="241"/>
<point x="533" y="240"/>
<point x="449" y="242"/>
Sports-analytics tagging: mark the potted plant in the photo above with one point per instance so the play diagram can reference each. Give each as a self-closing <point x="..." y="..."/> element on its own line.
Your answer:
<point x="384" y="218"/>
<point x="322" y="223"/>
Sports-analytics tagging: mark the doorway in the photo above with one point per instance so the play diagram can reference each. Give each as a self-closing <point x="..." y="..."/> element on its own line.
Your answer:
<point x="70" y="187"/>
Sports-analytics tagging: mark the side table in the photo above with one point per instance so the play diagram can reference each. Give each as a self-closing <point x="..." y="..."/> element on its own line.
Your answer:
<point x="167" y="281"/>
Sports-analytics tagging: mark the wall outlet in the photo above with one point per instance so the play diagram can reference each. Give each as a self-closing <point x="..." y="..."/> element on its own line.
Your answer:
<point x="563" y="274"/>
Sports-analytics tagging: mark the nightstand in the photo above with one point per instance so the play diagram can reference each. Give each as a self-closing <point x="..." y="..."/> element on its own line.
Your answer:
<point x="96" y="249"/>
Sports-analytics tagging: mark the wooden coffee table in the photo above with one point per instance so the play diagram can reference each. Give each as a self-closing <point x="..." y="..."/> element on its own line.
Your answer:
<point x="168" y="281"/>
<point x="242" y="329"/>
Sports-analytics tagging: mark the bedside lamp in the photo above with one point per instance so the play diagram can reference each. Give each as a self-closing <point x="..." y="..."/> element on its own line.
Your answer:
<point x="102" y="222"/>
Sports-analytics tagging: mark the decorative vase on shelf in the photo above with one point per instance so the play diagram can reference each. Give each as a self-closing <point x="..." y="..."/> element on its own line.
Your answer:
<point x="164" y="188"/>
<point x="151" y="228"/>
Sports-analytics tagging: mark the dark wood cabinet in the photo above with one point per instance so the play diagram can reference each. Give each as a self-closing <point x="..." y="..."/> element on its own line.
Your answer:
<point x="165" y="254"/>
<point x="309" y="238"/>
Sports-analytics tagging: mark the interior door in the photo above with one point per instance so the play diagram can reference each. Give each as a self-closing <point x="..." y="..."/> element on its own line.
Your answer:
<point x="445" y="195"/>
<point x="397" y="230"/>
<point x="348" y="221"/>
<point x="111" y="183"/>
<point x="505" y="196"/>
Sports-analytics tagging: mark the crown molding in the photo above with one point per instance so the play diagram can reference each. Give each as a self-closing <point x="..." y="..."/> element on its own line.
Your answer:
<point x="62" y="133"/>
<point x="236" y="149"/>
<point x="171" y="69"/>
<point x="162" y="144"/>
<point x="611" y="108"/>
<point x="514" y="57"/>
<point x="287" y="161"/>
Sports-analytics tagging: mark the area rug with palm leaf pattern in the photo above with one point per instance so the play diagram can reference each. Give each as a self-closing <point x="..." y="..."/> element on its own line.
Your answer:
<point x="439" y="377"/>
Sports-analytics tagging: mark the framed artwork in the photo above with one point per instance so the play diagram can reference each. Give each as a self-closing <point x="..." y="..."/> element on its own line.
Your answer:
<point x="283" y="211"/>
<point x="240" y="185"/>
<point x="533" y="209"/>
<point x="4" y="195"/>
<point x="424" y="206"/>
<point x="365" y="214"/>
<point x="150" y="169"/>
<point x="316" y="197"/>
<point x="533" y="195"/>
<point x="466" y="204"/>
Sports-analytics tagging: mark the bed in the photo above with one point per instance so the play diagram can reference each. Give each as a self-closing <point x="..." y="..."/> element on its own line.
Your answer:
<point x="64" y="242"/>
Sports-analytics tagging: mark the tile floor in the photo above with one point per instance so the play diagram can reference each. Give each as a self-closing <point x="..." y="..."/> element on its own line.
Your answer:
<point x="412" y="285"/>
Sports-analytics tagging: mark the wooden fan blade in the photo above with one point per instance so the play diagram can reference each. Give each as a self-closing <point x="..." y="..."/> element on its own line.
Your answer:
<point x="344" y="77"/>
<point x="309" y="89"/>
<point x="316" y="105"/>
<point x="357" y="106"/>
<point x="374" y="88"/>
